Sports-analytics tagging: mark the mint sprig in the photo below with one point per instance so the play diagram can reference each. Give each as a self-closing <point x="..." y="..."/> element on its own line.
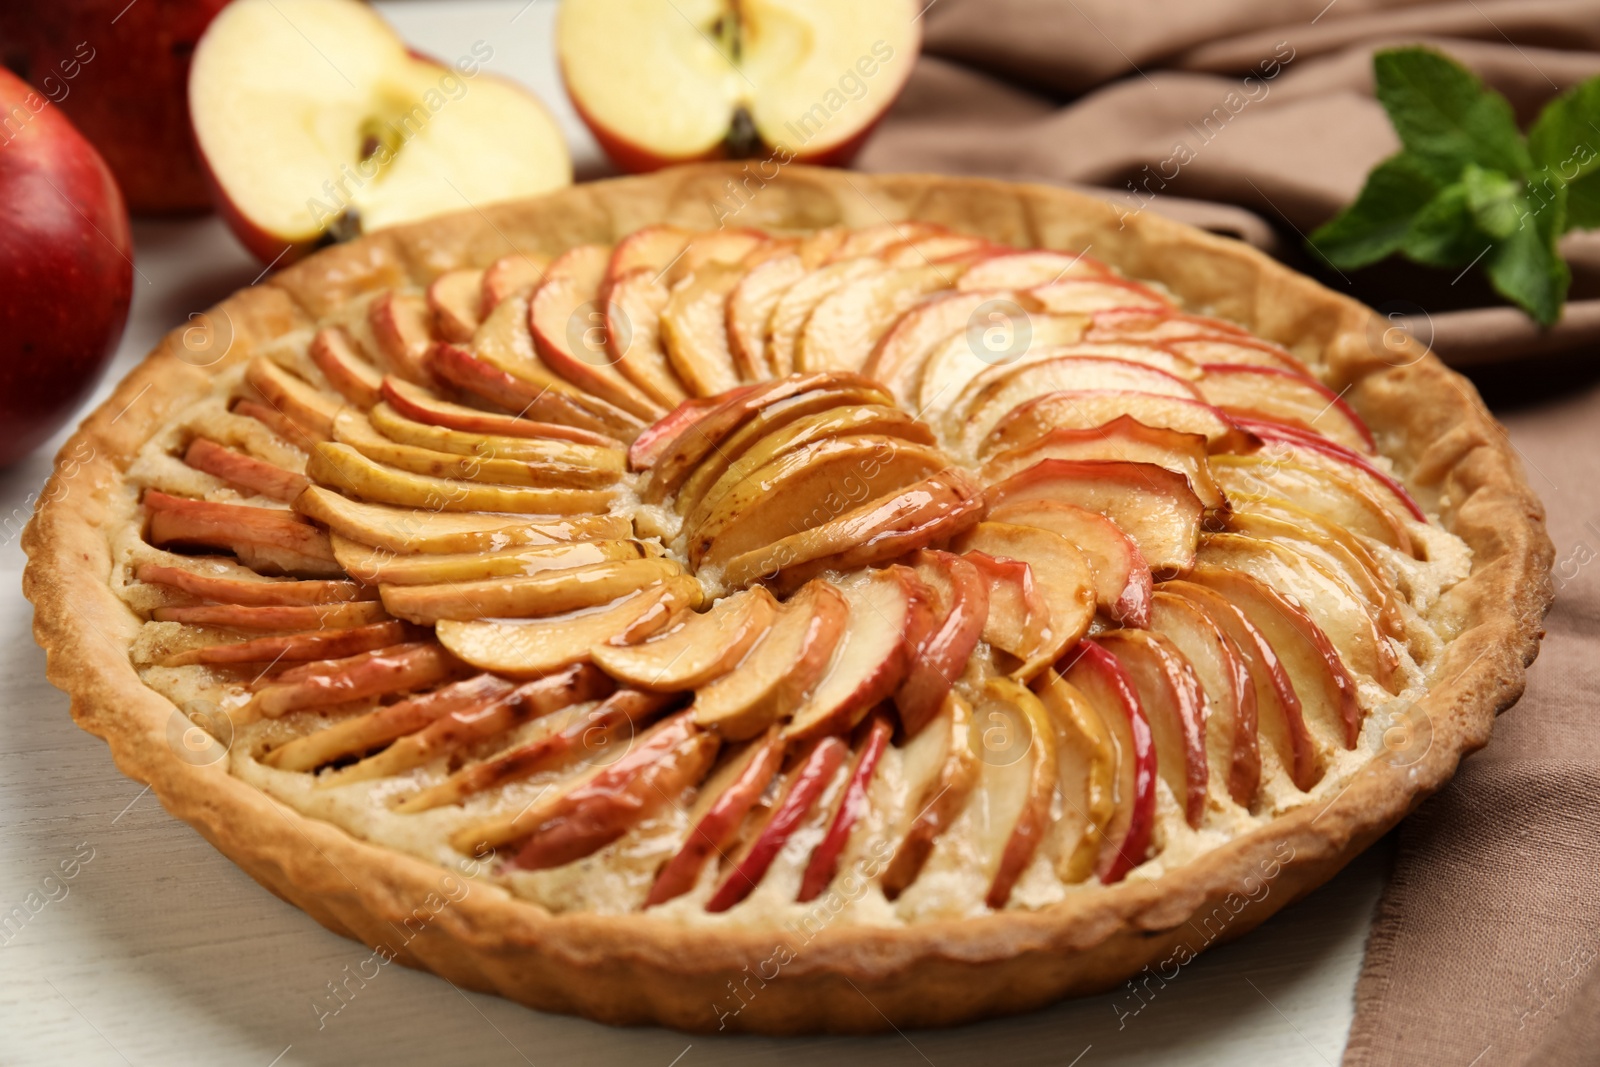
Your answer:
<point x="1468" y="188"/>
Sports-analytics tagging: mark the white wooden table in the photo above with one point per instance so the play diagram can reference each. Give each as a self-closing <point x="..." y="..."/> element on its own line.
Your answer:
<point x="160" y="951"/>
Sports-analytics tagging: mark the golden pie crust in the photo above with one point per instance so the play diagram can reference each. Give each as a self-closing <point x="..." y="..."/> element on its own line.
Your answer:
<point x="639" y="968"/>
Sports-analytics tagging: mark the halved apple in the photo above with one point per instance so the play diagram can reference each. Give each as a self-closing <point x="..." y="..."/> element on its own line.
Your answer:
<point x="961" y="607"/>
<point x="255" y="476"/>
<point x="698" y="650"/>
<point x="1087" y="409"/>
<point x="540" y="646"/>
<point x="945" y="793"/>
<point x="1122" y="581"/>
<point x="1282" y="396"/>
<point x="423" y="407"/>
<point x="1175" y="703"/>
<point x="346" y="469"/>
<point x="781" y="670"/>
<point x="1279" y="716"/>
<point x="400" y="530"/>
<point x="1061" y="574"/>
<point x="394" y="137"/>
<point x="1104" y="682"/>
<point x="715" y="80"/>
<point x="853" y="803"/>
<point x="1152" y="505"/>
<point x="550" y="593"/>
<point x="1087" y="760"/>
<point x="889" y="611"/>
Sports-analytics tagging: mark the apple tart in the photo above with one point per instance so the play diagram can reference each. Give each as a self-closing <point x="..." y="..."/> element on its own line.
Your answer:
<point x="929" y="595"/>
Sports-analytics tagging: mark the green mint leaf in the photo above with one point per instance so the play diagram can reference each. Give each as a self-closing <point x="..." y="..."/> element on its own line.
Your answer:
<point x="1525" y="267"/>
<point x="1445" y="116"/>
<point x="1565" y="139"/>
<point x="1444" y="233"/>
<point x="1492" y="198"/>
<point x="1583" y="203"/>
<point x="1375" y="225"/>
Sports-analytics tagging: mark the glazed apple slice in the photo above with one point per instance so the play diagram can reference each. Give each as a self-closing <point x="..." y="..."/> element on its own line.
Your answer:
<point x="267" y="540"/>
<point x="274" y="616"/>
<point x="698" y="650"/>
<point x="374" y="729"/>
<point x="770" y="683"/>
<point x="794" y="307"/>
<point x="459" y="367"/>
<point x="1314" y="450"/>
<point x="1122" y="581"/>
<point x="728" y="246"/>
<point x="509" y="276"/>
<point x="1342" y="557"/>
<point x="1281" y="396"/>
<point x="1241" y="351"/>
<point x="718" y="813"/>
<point x="352" y="376"/>
<point x="1086" y="758"/>
<point x="342" y="467"/>
<point x="1025" y="269"/>
<point x="804" y="787"/>
<point x="972" y="421"/>
<point x="1154" y="506"/>
<point x="301" y="437"/>
<point x="613" y="720"/>
<point x="597" y="454"/>
<point x="223" y="588"/>
<point x="374" y="566"/>
<point x="872" y="240"/>
<point x="301" y="403"/>
<point x="1019" y="620"/>
<point x="605" y="804"/>
<point x="540" y="595"/>
<point x="421" y="406"/>
<point x="361" y="677"/>
<point x="750" y="307"/>
<point x="962" y="610"/>
<point x="1279" y="716"/>
<point x="456" y="728"/>
<point x="403" y="530"/>
<point x="1001" y="336"/>
<point x="356" y="430"/>
<point x="975" y="374"/>
<point x="843" y="328"/>
<point x="1175" y="704"/>
<point x="1029" y="787"/>
<point x="853" y="804"/>
<point x="889" y="611"/>
<point x="694" y="329"/>
<point x="1232" y="750"/>
<point x="539" y="646"/>
<point x="1162" y="324"/>
<point x="295" y="648"/>
<point x="1087" y="409"/>
<point x="902" y="352"/>
<point x="1123" y="438"/>
<point x="1101" y="679"/>
<point x="453" y="301"/>
<point x="255" y="476"/>
<point x="1349" y="623"/>
<point x="569" y="331"/>
<point x="653" y="248"/>
<point x="632" y="306"/>
<point x="402" y="329"/>
<point x="1097" y="294"/>
<point x="947" y="748"/>
<point x="1061" y="574"/>
<point x="940" y="248"/>
<point x="1327" y="692"/>
<point x="1319" y="491"/>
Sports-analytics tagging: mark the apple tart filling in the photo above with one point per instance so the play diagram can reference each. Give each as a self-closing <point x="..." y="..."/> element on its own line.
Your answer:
<point x="888" y="567"/>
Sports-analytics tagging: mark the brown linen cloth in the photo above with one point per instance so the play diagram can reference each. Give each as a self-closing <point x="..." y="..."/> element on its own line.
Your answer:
<point x="1256" y="118"/>
<point x="1262" y="109"/>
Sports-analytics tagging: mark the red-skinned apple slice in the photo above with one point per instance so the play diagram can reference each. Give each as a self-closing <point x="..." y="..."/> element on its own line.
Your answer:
<point x="1096" y="294"/>
<point x="461" y="368"/>
<point x="845" y="326"/>
<point x="999" y="337"/>
<point x="1018" y="269"/>
<point x="569" y="331"/>
<point x="253" y="475"/>
<point x="231" y="590"/>
<point x="453" y="301"/>
<point x="1279" y="717"/>
<point x="940" y="248"/>
<point x="509" y="276"/>
<point x="1320" y="490"/>
<point x="1124" y="438"/>
<point x="1019" y="620"/>
<point x="301" y="403"/>
<point x="727" y="246"/>
<point x="942" y="798"/>
<point x="1244" y="351"/>
<point x="1087" y="760"/>
<point x="749" y="307"/>
<point x="652" y="248"/>
<point x="1323" y="450"/>
<point x="1038" y="786"/>
<point x="890" y="610"/>
<point x="1327" y="692"/>
<point x="361" y="677"/>
<point x="724" y="802"/>
<point x="536" y="596"/>
<point x="1343" y="557"/>
<point x="1175" y="703"/>
<point x="1096" y="674"/>
<point x="794" y="307"/>
<point x="1087" y="409"/>
<point x="1232" y="748"/>
<point x="300" y="436"/>
<point x="386" y="147"/>
<point x="873" y="241"/>
<point x="805" y="786"/>
<point x="1060" y="572"/>
<point x="1122" y="579"/>
<point x="853" y="804"/>
<point x="1154" y="506"/>
<point x="698" y="650"/>
<point x="653" y="442"/>
<point x="1161" y="324"/>
<point x="632" y="306"/>
<point x="275" y="616"/>
<point x="402" y="327"/>
<point x="780" y="671"/>
<point x="418" y="404"/>
<point x="962" y="610"/>
<point x="295" y="648"/>
<point x="264" y="539"/>
<point x="900" y="355"/>
<point x="1282" y="396"/>
<point x="694" y="331"/>
<point x="375" y="566"/>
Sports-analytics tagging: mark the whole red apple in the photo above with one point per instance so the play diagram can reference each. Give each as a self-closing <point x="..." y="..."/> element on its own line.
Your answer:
<point x="120" y="71"/>
<point x="66" y="267"/>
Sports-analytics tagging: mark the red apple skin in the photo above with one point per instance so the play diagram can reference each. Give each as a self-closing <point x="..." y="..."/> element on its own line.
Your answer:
<point x="128" y="89"/>
<point x="66" y="269"/>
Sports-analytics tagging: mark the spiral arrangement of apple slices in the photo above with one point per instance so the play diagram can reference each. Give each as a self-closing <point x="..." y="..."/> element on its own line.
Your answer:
<point x="722" y="566"/>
